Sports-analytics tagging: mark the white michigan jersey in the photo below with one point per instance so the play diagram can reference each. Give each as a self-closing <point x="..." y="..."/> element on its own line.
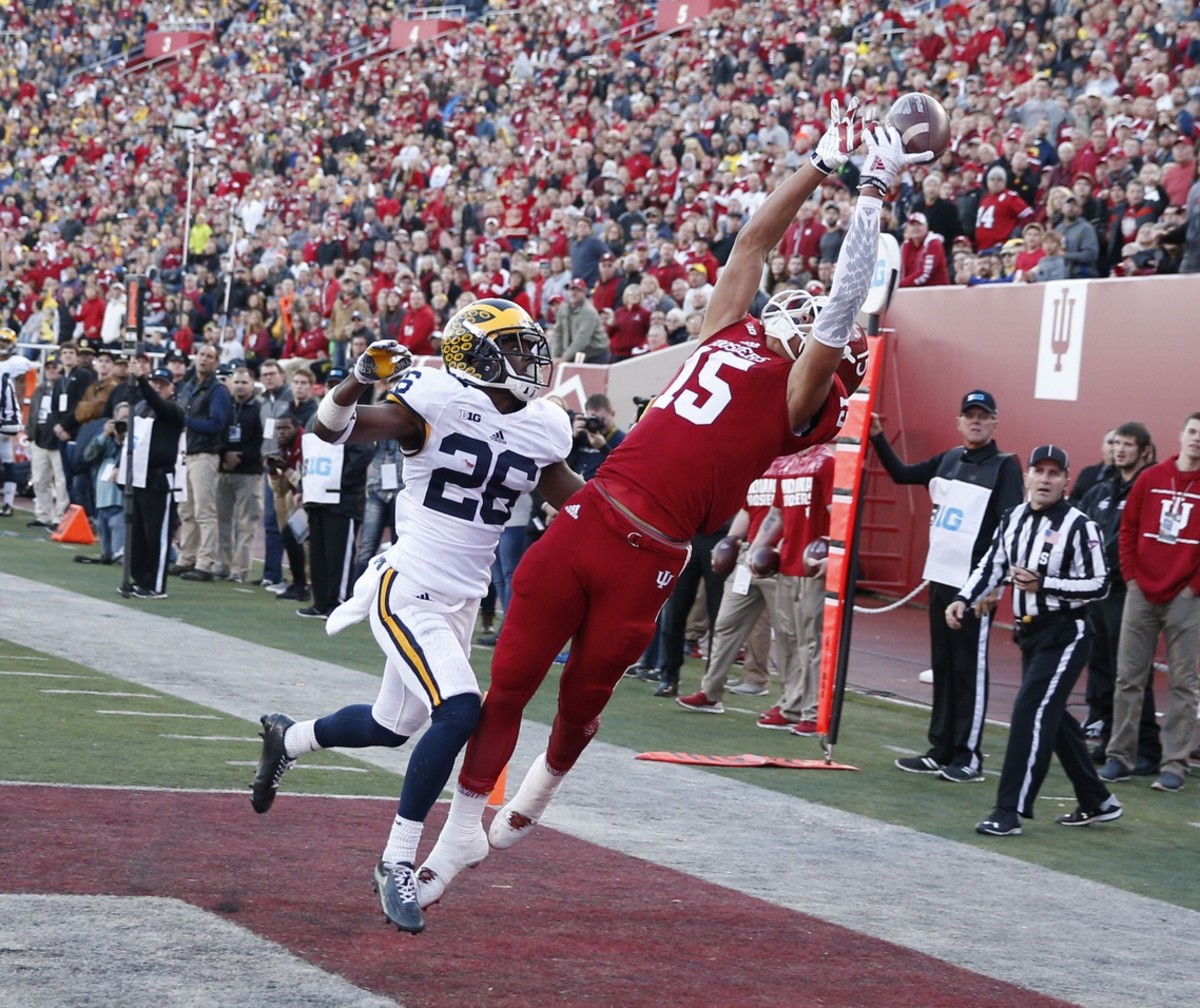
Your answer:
<point x="460" y="488"/>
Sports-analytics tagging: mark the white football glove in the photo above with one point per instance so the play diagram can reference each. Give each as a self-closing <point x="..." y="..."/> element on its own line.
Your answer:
<point x="382" y="359"/>
<point x="886" y="157"/>
<point x="838" y="142"/>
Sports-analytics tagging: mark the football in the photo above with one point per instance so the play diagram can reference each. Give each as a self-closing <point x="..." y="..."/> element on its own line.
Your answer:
<point x="725" y="554"/>
<point x="815" y="555"/>
<point x="764" y="561"/>
<point x="922" y="122"/>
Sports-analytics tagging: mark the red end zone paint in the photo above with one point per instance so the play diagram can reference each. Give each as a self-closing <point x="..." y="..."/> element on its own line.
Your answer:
<point x="555" y="920"/>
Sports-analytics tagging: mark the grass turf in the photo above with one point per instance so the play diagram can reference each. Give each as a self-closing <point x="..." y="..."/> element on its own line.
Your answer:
<point x="1148" y="852"/>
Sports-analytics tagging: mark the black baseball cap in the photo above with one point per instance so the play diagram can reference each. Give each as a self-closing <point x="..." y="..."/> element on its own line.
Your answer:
<point x="175" y="355"/>
<point x="1049" y="452"/>
<point x="161" y="374"/>
<point x="980" y="398"/>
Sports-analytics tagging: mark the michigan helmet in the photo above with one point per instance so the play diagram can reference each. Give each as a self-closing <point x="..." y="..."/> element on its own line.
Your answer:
<point x="789" y="317"/>
<point x="494" y="343"/>
<point x="8" y="341"/>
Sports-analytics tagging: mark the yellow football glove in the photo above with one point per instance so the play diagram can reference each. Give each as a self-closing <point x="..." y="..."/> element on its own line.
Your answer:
<point x="383" y="359"/>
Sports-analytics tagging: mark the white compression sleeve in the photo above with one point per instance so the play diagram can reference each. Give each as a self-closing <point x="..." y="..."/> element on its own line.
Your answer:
<point x="334" y="416"/>
<point x="852" y="275"/>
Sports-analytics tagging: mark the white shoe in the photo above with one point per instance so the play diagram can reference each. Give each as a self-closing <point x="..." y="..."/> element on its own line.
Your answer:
<point x="926" y="677"/>
<point x="522" y="812"/>
<point x="446" y="860"/>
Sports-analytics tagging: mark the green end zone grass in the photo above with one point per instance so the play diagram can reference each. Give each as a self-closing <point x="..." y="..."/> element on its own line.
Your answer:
<point x="1150" y="851"/>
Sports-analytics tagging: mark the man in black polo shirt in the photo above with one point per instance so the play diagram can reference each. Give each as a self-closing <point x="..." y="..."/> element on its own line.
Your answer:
<point x="206" y="406"/>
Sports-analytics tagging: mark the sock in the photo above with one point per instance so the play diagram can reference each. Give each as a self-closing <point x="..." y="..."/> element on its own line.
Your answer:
<point x="353" y="727"/>
<point x="537" y="789"/>
<point x="402" y="841"/>
<point x="300" y="739"/>
<point x="465" y="818"/>
<point x="432" y="762"/>
<point x="10" y="493"/>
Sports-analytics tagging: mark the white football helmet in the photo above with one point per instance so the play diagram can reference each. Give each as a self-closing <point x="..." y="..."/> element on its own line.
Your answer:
<point x="789" y="317"/>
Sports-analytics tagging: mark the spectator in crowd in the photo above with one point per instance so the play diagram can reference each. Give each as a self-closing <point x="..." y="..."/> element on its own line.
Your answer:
<point x="1001" y="211"/>
<point x="240" y="479"/>
<point x="304" y="398"/>
<point x="579" y="333"/>
<point x="922" y="255"/>
<point x="1159" y="548"/>
<point x="75" y="376"/>
<point x="1104" y="503"/>
<point x="274" y="402"/>
<point x="940" y="214"/>
<point x="1097" y="472"/>
<point x="971" y="486"/>
<point x="1030" y="254"/>
<point x="595" y="435"/>
<point x="50" y="498"/>
<point x="630" y="323"/>
<point x="1053" y="264"/>
<point x="1081" y="248"/>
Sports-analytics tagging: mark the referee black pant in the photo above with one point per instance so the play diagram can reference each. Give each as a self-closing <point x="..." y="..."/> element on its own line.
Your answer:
<point x="960" y="682"/>
<point x="148" y="538"/>
<point x="330" y="556"/>
<point x="1052" y="656"/>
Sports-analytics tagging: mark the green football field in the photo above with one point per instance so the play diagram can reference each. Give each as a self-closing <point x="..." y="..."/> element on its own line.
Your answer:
<point x="79" y="726"/>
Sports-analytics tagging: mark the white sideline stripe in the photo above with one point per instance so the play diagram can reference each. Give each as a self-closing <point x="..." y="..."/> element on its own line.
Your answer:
<point x="96" y="692"/>
<point x="184" y="791"/>
<point x="828" y="863"/>
<point x="46" y="675"/>
<point x="22" y="657"/>
<point x="146" y="713"/>
<point x="210" y="738"/>
<point x="303" y="766"/>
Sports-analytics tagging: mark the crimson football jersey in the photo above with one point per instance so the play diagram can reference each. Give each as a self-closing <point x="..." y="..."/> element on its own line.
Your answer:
<point x="803" y="496"/>
<point x="685" y="466"/>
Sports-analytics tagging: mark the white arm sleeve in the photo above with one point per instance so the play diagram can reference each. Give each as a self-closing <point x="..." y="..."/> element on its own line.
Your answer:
<point x="852" y="275"/>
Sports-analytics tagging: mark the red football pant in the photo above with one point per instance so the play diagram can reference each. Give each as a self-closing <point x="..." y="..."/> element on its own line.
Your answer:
<point x="595" y="580"/>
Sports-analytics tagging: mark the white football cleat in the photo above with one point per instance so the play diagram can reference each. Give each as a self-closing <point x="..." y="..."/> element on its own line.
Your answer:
<point x="448" y="857"/>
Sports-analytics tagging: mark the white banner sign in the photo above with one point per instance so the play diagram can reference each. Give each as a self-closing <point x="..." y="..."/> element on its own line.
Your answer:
<point x="1060" y="340"/>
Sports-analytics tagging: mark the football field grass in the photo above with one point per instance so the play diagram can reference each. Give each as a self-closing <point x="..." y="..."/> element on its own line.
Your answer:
<point x="79" y="726"/>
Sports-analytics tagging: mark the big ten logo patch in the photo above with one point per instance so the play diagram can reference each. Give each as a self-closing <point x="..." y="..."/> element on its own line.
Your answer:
<point x="948" y="518"/>
<point x="319" y="466"/>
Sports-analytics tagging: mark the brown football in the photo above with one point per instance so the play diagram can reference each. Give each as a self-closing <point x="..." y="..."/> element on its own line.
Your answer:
<point x="815" y="553"/>
<point x="764" y="561"/>
<point x="922" y="122"/>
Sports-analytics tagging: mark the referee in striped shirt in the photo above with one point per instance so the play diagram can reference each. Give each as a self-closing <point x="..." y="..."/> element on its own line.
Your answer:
<point x="1052" y="554"/>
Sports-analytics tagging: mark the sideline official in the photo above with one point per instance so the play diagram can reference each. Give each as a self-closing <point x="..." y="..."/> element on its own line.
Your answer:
<point x="1053" y="555"/>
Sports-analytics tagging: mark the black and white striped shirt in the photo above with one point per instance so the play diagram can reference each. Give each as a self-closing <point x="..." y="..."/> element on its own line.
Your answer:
<point x="1061" y="544"/>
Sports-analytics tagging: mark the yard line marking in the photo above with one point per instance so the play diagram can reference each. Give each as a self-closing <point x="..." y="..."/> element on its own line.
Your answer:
<point x="22" y="657"/>
<point x="211" y="738"/>
<point x="93" y="692"/>
<point x="301" y="766"/>
<point x="45" y="675"/>
<point x="142" y="713"/>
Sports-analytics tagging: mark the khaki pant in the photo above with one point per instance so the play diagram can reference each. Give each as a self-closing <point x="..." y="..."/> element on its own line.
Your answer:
<point x="799" y="609"/>
<point x="239" y="508"/>
<point x="49" y="484"/>
<point x="738" y="617"/>
<point x="1141" y="623"/>
<point x="198" y="514"/>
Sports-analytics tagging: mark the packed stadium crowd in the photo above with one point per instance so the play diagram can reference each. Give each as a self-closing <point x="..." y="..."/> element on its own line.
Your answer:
<point x="292" y="172"/>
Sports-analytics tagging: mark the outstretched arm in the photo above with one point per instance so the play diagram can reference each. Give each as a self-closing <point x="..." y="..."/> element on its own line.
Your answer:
<point x="340" y="420"/>
<point x="812" y="374"/>
<point x="742" y="273"/>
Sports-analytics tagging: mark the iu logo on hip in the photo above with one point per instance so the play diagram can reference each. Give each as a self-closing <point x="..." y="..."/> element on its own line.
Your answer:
<point x="664" y="578"/>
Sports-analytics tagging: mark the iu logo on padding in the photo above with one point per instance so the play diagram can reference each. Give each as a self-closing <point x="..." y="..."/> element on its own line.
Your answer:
<point x="664" y="578"/>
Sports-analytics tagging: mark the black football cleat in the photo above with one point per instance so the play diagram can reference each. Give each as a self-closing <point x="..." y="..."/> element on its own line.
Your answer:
<point x="396" y="885"/>
<point x="273" y="763"/>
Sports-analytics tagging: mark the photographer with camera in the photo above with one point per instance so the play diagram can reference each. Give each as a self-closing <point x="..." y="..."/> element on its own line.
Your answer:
<point x="103" y="454"/>
<point x="595" y="433"/>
